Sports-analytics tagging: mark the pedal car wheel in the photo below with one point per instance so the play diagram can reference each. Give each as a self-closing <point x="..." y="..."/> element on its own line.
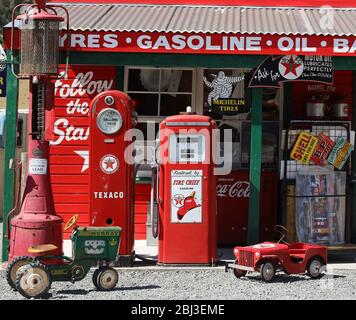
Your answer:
<point x="107" y="279"/>
<point x="267" y="271"/>
<point x="239" y="273"/>
<point x="95" y="278"/>
<point x="314" y="267"/>
<point x="14" y="267"/>
<point x="34" y="280"/>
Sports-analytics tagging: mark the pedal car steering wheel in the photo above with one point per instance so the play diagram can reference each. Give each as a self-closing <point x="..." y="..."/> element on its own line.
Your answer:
<point x="281" y="232"/>
<point x="71" y="222"/>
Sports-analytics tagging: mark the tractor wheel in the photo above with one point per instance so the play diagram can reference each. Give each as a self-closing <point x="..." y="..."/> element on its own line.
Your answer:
<point x="314" y="267"/>
<point x="14" y="266"/>
<point x="107" y="278"/>
<point x="239" y="273"/>
<point x="34" y="280"/>
<point x="95" y="277"/>
<point x="267" y="271"/>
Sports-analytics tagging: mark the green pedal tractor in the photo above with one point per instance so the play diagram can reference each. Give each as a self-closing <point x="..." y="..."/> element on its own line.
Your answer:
<point x="91" y="246"/>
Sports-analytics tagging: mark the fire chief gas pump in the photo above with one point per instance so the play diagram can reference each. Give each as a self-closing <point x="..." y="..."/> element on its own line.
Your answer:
<point x="187" y="196"/>
<point x="111" y="177"/>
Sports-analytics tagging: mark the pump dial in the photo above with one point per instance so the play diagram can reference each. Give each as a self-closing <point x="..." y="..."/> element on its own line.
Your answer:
<point x="109" y="121"/>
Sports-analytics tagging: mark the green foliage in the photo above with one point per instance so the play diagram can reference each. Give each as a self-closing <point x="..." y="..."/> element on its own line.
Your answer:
<point x="6" y="7"/>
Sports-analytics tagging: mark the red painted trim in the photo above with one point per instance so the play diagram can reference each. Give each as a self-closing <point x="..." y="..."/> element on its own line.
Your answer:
<point x="259" y="3"/>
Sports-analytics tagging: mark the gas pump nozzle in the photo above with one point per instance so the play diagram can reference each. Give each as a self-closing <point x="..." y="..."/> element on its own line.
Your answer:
<point x="154" y="193"/>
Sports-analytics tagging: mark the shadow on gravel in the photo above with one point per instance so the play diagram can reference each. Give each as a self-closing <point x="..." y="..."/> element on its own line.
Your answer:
<point x="74" y="291"/>
<point x="138" y="288"/>
<point x="85" y="292"/>
<point x="291" y="278"/>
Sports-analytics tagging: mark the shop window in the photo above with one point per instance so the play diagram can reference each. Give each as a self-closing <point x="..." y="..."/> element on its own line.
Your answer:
<point x="160" y="92"/>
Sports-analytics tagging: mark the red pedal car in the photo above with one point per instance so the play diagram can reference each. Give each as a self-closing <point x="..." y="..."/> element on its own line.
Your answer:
<point x="269" y="257"/>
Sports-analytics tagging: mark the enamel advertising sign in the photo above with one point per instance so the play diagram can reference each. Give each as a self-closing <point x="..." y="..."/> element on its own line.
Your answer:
<point x="340" y="153"/>
<point x="186" y="196"/>
<point x="275" y="70"/>
<point x="304" y="148"/>
<point x="322" y="150"/>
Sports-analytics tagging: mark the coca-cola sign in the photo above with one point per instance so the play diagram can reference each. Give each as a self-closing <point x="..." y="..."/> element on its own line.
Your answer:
<point x="235" y="189"/>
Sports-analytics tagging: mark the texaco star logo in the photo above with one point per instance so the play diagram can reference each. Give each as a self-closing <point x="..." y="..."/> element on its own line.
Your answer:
<point x="291" y="67"/>
<point x="178" y="200"/>
<point x="109" y="164"/>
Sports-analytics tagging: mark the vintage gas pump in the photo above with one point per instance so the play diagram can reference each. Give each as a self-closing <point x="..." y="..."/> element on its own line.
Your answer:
<point x="187" y="196"/>
<point x="37" y="222"/>
<point x="112" y="175"/>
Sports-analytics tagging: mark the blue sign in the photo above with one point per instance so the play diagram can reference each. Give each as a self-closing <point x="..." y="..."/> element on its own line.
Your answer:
<point x="3" y="71"/>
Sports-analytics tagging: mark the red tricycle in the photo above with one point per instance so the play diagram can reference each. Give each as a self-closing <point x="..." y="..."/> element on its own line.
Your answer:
<point x="269" y="257"/>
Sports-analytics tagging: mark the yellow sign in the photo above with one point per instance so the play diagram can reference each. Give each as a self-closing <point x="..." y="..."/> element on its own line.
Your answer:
<point x="304" y="147"/>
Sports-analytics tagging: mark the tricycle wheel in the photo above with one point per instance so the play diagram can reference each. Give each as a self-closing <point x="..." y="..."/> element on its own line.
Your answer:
<point x="239" y="273"/>
<point x="107" y="278"/>
<point x="314" y="267"/>
<point x="267" y="271"/>
<point x="34" y="280"/>
<point x="13" y="268"/>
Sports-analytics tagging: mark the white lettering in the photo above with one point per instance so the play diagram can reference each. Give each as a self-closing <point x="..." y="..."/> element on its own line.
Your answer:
<point x="82" y="84"/>
<point x="77" y="107"/>
<point x="210" y="46"/>
<point x="198" y="45"/>
<point x="77" y="39"/>
<point x="161" y="42"/>
<point x="341" y="45"/>
<point x="94" y="41"/>
<point x="178" y="42"/>
<point x="110" y="41"/>
<point x="144" y="42"/>
<point x="253" y="44"/>
<point x="285" y="44"/>
<point x="68" y="133"/>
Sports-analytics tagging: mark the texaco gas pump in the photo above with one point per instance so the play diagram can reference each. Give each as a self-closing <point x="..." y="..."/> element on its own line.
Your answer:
<point x="111" y="174"/>
<point x="186" y="191"/>
<point x="37" y="222"/>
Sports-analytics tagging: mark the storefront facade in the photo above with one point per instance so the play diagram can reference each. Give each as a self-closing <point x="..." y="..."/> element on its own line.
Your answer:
<point x="168" y="57"/>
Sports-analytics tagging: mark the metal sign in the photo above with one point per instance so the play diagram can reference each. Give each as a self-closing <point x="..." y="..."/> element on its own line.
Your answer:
<point x="304" y="147"/>
<point x="275" y="70"/>
<point x="202" y="43"/>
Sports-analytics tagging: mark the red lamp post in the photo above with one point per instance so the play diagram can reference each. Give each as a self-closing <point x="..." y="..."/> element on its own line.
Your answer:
<point x="37" y="222"/>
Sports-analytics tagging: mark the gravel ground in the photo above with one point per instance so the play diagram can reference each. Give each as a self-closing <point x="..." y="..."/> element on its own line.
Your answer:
<point x="201" y="284"/>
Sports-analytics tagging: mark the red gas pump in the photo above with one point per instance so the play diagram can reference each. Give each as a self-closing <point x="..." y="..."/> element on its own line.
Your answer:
<point x="37" y="222"/>
<point x="187" y="191"/>
<point x="112" y="176"/>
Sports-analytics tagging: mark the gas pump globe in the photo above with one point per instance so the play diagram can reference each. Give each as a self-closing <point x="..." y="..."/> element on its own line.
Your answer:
<point x="37" y="222"/>
<point x="39" y="41"/>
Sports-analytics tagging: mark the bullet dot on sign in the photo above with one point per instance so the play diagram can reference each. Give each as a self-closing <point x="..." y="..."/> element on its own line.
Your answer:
<point x="323" y="44"/>
<point x="128" y="40"/>
<point x="269" y="42"/>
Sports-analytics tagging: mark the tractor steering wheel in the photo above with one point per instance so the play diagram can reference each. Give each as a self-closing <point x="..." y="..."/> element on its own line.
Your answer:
<point x="71" y="222"/>
<point x="281" y="232"/>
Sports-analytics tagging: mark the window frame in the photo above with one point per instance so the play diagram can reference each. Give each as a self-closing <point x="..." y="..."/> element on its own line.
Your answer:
<point x="158" y="118"/>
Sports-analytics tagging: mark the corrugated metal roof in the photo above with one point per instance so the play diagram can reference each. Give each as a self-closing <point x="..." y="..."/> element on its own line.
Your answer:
<point x="212" y="19"/>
